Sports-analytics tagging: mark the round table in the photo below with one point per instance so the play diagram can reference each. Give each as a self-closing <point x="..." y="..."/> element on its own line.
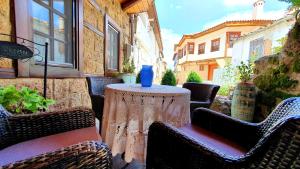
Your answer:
<point x="130" y="109"/>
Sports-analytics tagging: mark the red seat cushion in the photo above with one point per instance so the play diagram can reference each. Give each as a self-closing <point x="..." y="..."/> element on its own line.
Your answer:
<point x="213" y="141"/>
<point x="31" y="148"/>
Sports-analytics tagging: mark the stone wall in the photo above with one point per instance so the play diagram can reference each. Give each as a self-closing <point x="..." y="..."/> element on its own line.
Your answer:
<point x="5" y="27"/>
<point x="73" y="92"/>
<point x="93" y="42"/>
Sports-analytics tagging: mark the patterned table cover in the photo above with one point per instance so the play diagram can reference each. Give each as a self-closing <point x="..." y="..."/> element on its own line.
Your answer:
<point x="130" y="109"/>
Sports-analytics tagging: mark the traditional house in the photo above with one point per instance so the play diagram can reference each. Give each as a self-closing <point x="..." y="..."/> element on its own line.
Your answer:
<point x="86" y="38"/>
<point x="208" y="50"/>
<point x="262" y="42"/>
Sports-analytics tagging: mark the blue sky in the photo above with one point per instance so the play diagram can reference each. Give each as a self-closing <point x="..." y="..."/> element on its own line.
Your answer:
<point x="178" y="17"/>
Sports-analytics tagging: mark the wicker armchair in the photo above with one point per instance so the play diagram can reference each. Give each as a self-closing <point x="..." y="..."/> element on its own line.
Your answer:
<point x="216" y="141"/>
<point x="63" y="139"/>
<point x="96" y="85"/>
<point x="202" y="95"/>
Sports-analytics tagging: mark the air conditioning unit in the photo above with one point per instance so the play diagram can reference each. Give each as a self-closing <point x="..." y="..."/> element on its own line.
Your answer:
<point x="128" y="50"/>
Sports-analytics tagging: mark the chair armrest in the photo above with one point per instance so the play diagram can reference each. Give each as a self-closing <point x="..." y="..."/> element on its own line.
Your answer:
<point x="27" y="127"/>
<point x="244" y="133"/>
<point x="169" y="147"/>
<point x="91" y="154"/>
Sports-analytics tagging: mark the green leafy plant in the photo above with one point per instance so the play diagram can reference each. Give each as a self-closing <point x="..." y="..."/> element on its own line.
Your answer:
<point x="279" y="48"/>
<point x="274" y="79"/>
<point x="224" y="91"/>
<point x="23" y="101"/>
<point x="245" y="71"/>
<point x="294" y="3"/>
<point x="128" y="65"/>
<point x="296" y="66"/>
<point x="194" y="77"/>
<point x="168" y="78"/>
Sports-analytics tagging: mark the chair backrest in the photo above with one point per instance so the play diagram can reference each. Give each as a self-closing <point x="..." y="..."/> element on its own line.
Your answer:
<point x="4" y="115"/>
<point x="202" y="91"/>
<point x="288" y="107"/>
<point x="97" y="84"/>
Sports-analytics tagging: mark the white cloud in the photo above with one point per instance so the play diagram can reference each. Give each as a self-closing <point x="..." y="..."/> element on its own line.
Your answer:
<point x="169" y="38"/>
<point x="234" y="3"/>
<point x="247" y="15"/>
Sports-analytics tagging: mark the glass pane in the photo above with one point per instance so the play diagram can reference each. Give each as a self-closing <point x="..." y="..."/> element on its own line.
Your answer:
<point x="59" y="52"/>
<point x="59" y="27"/>
<point x="39" y="51"/>
<point x="113" y="48"/>
<point x="40" y="17"/>
<point x="59" y="5"/>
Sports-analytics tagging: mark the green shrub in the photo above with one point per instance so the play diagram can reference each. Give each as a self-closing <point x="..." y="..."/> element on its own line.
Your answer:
<point x="296" y="66"/>
<point x="138" y="78"/>
<point x="23" y="101"/>
<point x="194" y="77"/>
<point x="224" y="91"/>
<point x="245" y="71"/>
<point x="168" y="78"/>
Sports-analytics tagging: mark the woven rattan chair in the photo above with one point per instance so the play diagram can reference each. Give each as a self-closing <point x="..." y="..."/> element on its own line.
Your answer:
<point x="64" y="139"/>
<point x="202" y="95"/>
<point x="96" y="85"/>
<point x="216" y="141"/>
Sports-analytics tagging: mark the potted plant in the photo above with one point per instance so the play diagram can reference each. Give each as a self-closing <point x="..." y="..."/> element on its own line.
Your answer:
<point x="128" y="74"/>
<point x="23" y="101"/>
<point x="168" y="78"/>
<point x="243" y="101"/>
<point x="194" y="77"/>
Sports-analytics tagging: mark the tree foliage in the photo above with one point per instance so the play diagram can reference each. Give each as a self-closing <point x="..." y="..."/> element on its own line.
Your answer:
<point x="169" y="78"/>
<point x="194" y="77"/>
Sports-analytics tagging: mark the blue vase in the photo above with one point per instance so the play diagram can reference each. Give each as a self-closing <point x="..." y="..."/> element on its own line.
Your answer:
<point x="146" y="76"/>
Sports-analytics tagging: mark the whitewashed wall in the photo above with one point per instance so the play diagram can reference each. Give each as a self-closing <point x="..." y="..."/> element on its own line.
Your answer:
<point x="278" y="30"/>
<point x="146" y="50"/>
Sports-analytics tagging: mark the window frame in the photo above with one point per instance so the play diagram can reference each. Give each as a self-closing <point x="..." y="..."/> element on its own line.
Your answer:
<point x="112" y="23"/>
<point x="228" y="38"/>
<point x="24" y="28"/>
<point x="180" y="54"/>
<point x="200" y="52"/>
<point x="213" y="48"/>
<point x="191" y="50"/>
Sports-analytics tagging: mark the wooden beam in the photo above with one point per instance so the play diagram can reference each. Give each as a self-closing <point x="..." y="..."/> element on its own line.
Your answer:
<point x="129" y="3"/>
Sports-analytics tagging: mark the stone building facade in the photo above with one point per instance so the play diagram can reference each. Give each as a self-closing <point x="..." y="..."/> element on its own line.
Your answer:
<point x="70" y="91"/>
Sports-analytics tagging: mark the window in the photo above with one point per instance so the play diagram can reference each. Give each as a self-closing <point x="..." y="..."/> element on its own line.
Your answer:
<point x="201" y="68"/>
<point x="231" y="37"/>
<point x="201" y="48"/>
<point x="52" y="23"/>
<point x="112" y="45"/>
<point x="180" y="53"/>
<point x="184" y="50"/>
<point x="191" y="46"/>
<point x="257" y="48"/>
<point x="58" y="22"/>
<point x="215" y="45"/>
